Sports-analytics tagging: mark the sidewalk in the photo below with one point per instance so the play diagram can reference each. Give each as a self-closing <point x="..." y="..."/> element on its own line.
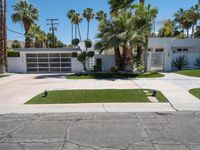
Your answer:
<point x="83" y="108"/>
<point x="178" y="96"/>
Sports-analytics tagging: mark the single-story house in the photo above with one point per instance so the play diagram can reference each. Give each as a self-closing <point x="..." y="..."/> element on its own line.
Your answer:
<point x="162" y="52"/>
<point x="35" y="60"/>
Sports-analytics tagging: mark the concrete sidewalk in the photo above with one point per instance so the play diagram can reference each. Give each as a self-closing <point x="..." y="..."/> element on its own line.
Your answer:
<point x="178" y="96"/>
<point x="82" y="108"/>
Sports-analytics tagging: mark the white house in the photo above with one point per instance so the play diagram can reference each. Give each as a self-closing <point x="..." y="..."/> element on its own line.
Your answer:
<point x="36" y="60"/>
<point x="162" y="52"/>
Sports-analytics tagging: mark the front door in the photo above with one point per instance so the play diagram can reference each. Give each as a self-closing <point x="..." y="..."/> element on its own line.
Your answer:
<point x="157" y="61"/>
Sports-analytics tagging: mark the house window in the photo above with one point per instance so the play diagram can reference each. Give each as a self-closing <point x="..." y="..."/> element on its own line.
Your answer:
<point x="159" y="50"/>
<point x="179" y="50"/>
<point x="185" y="50"/>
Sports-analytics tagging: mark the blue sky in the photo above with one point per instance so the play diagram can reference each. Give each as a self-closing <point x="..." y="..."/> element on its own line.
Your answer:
<point x="59" y="8"/>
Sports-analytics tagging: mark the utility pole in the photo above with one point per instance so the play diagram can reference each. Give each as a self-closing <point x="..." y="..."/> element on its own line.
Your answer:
<point x="53" y="23"/>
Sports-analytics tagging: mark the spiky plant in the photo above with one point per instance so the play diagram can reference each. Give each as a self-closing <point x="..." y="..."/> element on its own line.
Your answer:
<point x="180" y="62"/>
<point x="197" y="62"/>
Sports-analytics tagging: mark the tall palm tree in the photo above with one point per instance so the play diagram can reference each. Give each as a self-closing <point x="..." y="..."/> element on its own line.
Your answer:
<point x="88" y="15"/>
<point x="2" y="64"/>
<point x="101" y="15"/>
<point x="5" y="35"/>
<point x="194" y="16"/>
<point x="116" y="5"/>
<point x="70" y="15"/>
<point x="77" y="19"/>
<point x="27" y="14"/>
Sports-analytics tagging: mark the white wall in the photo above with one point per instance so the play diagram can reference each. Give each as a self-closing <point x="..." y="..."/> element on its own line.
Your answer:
<point x="17" y="64"/>
<point x="170" y="44"/>
<point x="108" y="61"/>
<point x="190" y="58"/>
<point x="76" y="65"/>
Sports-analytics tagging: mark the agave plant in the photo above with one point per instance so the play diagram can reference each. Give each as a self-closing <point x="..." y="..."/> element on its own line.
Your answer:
<point x="180" y="62"/>
<point x="197" y="62"/>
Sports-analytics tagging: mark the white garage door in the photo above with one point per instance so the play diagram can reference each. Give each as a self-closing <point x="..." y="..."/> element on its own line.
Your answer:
<point x="49" y="62"/>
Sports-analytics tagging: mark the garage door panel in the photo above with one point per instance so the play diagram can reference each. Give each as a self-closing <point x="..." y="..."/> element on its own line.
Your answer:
<point x="52" y="62"/>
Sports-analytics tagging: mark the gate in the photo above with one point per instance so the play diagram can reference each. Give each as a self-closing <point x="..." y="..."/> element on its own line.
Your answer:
<point x="157" y="61"/>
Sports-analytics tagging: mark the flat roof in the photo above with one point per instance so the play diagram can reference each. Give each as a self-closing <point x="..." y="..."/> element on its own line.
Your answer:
<point x="46" y="49"/>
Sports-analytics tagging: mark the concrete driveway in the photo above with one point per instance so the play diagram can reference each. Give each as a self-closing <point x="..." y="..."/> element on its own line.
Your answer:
<point x="17" y="89"/>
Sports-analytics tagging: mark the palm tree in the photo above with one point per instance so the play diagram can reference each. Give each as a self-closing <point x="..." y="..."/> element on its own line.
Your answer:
<point x="70" y="15"/>
<point x="27" y="14"/>
<point x="77" y="19"/>
<point x="5" y="35"/>
<point x="2" y="64"/>
<point x="142" y="1"/>
<point x="167" y="29"/>
<point x="101" y="15"/>
<point x="88" y="15"/>
<point x="116" y="5"/>
<point x="194" y="16"/>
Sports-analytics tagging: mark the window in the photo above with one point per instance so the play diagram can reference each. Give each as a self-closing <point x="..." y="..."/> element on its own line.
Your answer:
<point x="185" y="50"/>
<point x="159" y="50"/>
<point x="179" y="50"/>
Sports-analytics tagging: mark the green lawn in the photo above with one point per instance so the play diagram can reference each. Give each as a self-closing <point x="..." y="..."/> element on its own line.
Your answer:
<point x="192" y="73"/>
<point x="1" y="76"/>
<point x="94" y="96"/>
<point x="114" y="75"/>
<point x="195" y="92"/>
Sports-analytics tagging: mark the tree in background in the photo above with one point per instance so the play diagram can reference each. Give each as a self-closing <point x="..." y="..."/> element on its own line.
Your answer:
<point x="168" y="29"/>
<point x="101" y="16"/>
<point x="27" y="14"/>
<point x="70" y="15"/>
<point x="16" y="44"/>
<point x="77" y="19"/>
<point x="88" y="15"/>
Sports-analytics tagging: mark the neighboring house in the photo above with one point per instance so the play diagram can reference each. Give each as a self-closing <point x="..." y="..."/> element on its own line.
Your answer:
<point x="162" y="52"/>
<point x="43" y="60"/>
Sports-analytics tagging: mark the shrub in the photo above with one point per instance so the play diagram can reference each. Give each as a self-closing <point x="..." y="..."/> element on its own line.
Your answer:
<point x="74" y="54"/>
<point x="98" y="66"/>
<point x="197" y="62"/>
<point x="13" y="54"/>
<point x="180" y="62"/>
<point x="88" y="43"/>
<point x="75" y="42"/>
<point x="140" y="68"/>
<point x="90" y="54"/>
<point x="81" y="57"/>
<point x="114" y="69"/>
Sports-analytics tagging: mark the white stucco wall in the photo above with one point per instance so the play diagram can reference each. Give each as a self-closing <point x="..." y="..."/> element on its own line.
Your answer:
<point x="170" y="46"/>
<point x="17" y="64"/>
<point x="76" y="65"/>
<point x="108" y="61"/>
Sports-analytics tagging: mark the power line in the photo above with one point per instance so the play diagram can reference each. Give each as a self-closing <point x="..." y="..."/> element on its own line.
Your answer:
<point x="53" y="23"/>
<point x="15" y="32"/>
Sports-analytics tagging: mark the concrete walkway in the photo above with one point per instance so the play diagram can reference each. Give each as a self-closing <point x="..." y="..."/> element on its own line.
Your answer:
<point x="173" y="86"/>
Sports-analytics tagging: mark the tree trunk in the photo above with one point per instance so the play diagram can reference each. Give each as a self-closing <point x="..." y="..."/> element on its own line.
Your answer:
<point x="128" y="61"/>
<point x="5" y="36"/>
<point x="118" y="59"/>
<point x="2" y="58"/>
<point x="193" y="30"/>
<point x="27" y="25"/>
<point x="72" y="31"/>
<point x="139" y="53"/>
<point x="187" y="33"/>
<point x="145" y="54"/>
<point x="79" y="32"/>
<point x="88" y="29"/>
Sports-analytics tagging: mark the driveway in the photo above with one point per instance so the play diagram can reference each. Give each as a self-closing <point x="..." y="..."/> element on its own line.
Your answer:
<point x="19" y="88"/>
<point x="101" y="131"/>
<point x="15" y="90"/>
